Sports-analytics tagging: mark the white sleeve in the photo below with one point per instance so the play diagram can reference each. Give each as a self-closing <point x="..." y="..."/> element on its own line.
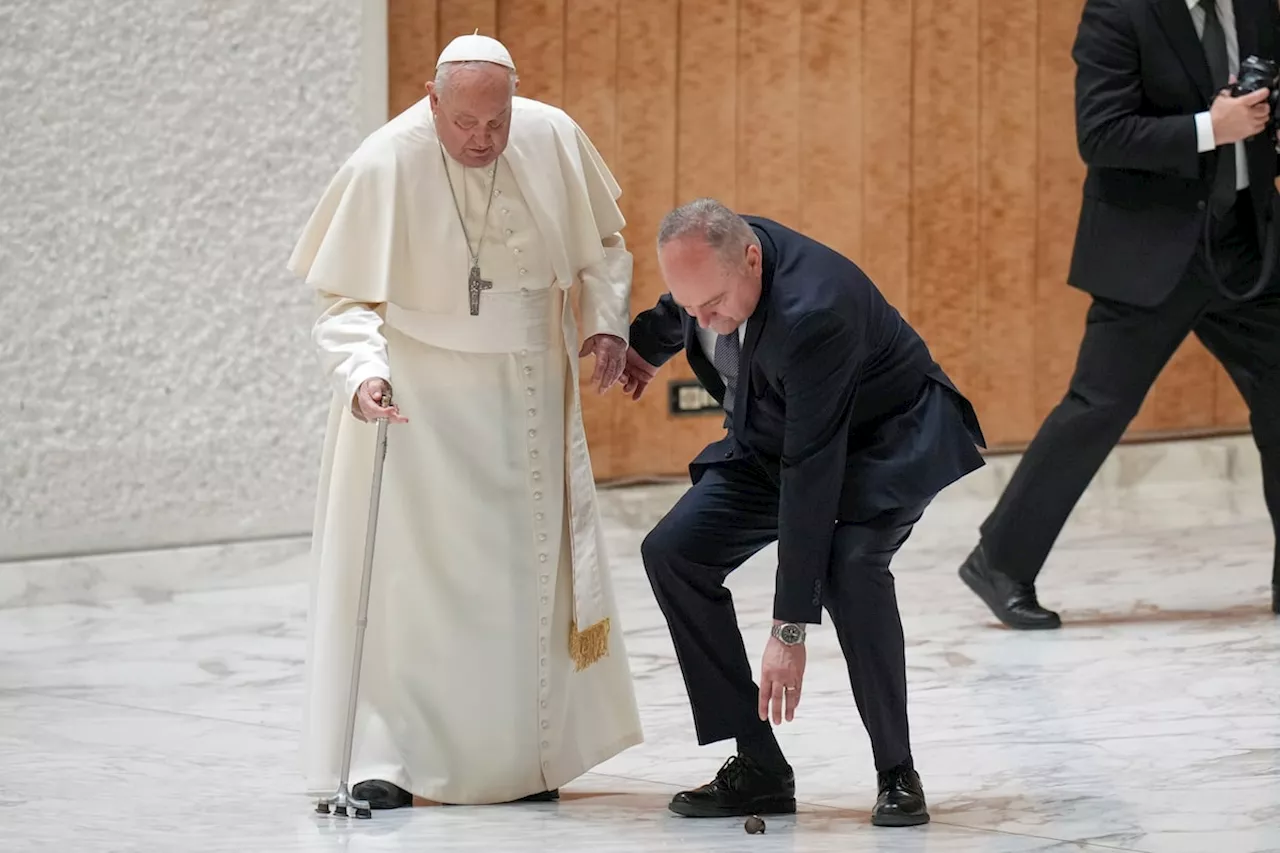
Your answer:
<point x="606" y="292"/>
<point x="1204" y="132"/>
<point x="352" y="349"/>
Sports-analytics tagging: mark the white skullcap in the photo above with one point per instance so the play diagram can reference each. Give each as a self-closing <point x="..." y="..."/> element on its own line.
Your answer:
<point x="476" y="48"/>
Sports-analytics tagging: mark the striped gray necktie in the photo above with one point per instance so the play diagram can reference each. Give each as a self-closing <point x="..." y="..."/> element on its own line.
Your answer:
<point x="725" y="360"/>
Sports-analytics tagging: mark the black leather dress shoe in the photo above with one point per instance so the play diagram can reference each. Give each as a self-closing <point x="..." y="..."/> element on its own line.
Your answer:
<point x="741" y="788"/>
<point x="541" y="797"/>
<point x="901" y="801"/>
<point x="382" y="795"/>
<point x="1012" y="601"/>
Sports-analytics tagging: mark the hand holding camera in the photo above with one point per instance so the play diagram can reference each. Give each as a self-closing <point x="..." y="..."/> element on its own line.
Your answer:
<point x="1245" y="108"/>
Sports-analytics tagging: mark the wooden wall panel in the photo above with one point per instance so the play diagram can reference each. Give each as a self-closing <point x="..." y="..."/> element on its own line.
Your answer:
<point x="768" y="133"/>
<point x="707" y="103"/>
<point x="412" y="48"/>
<point x="887" y="180"/>
<point x="944" y="191"/>
<point x="707" y="165"/>
<point x="460" y="17"/>
<point x="933" y="141"/>
<point x="591" y="71"/>
<point x="830" y="121"/>
<point x="534" y="31"/>
<point x="644" y="438"/>
<point x="1004" y="381"/>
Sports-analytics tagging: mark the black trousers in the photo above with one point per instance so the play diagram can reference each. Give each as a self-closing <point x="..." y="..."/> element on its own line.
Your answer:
<point x="728" y="516"/>
<point x="1124" y="349"/>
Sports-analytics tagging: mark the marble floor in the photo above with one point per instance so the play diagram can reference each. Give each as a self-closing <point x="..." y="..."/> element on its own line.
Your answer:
<point x="160" y="721"/>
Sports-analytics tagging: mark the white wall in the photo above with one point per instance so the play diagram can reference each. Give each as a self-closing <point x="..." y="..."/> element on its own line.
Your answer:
<point x="157" y="160"/>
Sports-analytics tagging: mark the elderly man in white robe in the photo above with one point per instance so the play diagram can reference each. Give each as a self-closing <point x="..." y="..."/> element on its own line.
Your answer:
<point x="448" y="253"/>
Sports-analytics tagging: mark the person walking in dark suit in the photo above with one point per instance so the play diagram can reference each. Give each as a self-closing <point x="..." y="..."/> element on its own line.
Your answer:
<point x="1177" y="234"/>
<point x="841" y="430"/>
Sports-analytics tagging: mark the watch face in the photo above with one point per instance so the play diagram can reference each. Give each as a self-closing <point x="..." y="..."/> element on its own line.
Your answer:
<point x="790" y="634"/>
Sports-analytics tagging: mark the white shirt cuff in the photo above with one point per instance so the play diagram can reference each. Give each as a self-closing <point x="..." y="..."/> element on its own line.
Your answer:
<point x="1204" y="132"/>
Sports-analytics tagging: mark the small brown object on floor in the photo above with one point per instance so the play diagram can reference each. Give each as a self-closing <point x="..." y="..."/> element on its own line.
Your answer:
<point x="754" y="825"/>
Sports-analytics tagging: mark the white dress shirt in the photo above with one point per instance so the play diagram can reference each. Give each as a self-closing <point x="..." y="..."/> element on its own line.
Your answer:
<point x="1204" y="124"/>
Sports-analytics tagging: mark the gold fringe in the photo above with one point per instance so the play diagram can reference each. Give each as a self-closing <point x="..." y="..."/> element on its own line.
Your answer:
<point x="588" y="646"/>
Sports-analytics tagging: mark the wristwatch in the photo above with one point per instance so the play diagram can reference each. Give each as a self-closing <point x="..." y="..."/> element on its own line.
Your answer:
<point x="789" y="633"/>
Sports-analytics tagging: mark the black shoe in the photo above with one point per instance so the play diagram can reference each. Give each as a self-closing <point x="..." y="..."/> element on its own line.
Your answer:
<point x="382" y="795"/>
<point x="1275" y="599"/>
<point x="741" y="788"/>
<point x="1012" y="601"/>
<point x="901" y="801"/>
<point x="541" y="797"/>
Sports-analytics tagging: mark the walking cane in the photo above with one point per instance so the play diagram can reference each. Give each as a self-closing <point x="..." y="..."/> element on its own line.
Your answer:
<point x="342" y="800"/>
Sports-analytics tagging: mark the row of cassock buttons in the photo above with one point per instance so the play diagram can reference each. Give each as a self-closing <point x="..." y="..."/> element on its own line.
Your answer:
<point x="509" y="232"/>
<point x="539" y="526"/>
<point x="538" y="516"/>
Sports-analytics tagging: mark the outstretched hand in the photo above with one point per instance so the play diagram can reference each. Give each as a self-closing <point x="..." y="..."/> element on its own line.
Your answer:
<point x="637" y="375"/>
<point x="610" y="352"/>
<point x="781" y="677"/>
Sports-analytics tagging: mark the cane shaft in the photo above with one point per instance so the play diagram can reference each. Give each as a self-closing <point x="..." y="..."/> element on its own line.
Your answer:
<point x="366" y="577"/>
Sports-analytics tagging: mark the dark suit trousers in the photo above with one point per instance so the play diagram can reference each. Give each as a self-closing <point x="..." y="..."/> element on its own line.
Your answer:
<point x="730" y="514"/>
<point x="1124" y="349"/>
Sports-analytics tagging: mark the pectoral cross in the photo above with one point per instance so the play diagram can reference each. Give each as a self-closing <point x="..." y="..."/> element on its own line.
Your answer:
<point x="476" y="285"/>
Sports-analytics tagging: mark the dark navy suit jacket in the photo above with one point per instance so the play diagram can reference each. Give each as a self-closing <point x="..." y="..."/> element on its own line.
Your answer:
<point x="839" y="402"/>
<point x="1141" y="75"/>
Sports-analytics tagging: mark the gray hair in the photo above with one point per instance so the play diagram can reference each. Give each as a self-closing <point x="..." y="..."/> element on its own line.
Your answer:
<point x="723" y="230"/>
<point x="446" y="71"/>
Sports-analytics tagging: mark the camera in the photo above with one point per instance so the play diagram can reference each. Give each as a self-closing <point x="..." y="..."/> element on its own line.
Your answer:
<point x="1255" y="73"/>
<point x="1258" y="74"/>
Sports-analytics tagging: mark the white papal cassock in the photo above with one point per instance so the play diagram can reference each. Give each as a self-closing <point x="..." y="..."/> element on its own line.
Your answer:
<point x="494" y="665"/>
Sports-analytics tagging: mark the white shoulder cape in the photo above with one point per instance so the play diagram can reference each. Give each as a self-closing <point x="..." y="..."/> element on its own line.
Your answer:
<point x="385" y="229"/>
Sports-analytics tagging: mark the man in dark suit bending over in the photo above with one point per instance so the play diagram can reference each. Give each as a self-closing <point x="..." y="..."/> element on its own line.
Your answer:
<point x="841" y="430"/>
<point x="1168" y="155"/>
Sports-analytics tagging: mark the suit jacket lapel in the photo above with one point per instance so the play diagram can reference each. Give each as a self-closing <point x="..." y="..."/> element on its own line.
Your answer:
<point x="1175" y="20"/>
<point x="755" y="323"/>
<point x="701" y="361"/>
<point x="1246" y="29"/>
